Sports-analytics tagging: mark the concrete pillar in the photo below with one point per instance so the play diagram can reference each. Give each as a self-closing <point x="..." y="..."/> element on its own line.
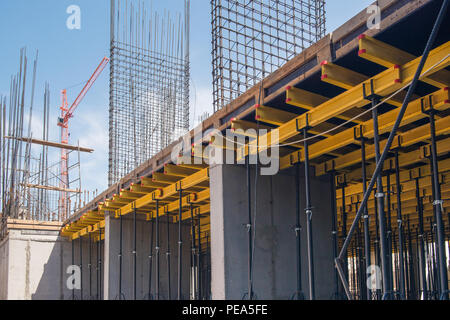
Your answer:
<point x="143" y="227"/>
<point x="274" y="252"/>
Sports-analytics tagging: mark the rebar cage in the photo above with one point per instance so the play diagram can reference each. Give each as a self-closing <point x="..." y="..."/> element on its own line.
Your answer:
<point x="251" y="39"/>
<point x="149" y="94"/>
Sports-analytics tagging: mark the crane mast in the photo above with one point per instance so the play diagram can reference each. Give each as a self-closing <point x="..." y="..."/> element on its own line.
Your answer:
<point x="63" y="122"/>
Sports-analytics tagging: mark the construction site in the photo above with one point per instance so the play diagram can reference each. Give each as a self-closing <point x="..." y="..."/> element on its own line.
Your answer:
<point x="321" y="172"/>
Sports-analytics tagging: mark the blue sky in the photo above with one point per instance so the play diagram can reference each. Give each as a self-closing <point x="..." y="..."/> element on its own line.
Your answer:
<point x="68" y="57"/>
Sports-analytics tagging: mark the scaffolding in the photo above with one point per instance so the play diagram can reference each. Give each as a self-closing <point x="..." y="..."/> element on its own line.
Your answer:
<point x="149" y="83"/>
<point x="251" y="39"/>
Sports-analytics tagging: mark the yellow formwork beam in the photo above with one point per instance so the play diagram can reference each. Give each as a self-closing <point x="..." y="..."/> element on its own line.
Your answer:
<point x="440" y="100"/>
<point x="407" y="179"/>
<point x="178" y="171"/>
<point x="241" y="127"/>
<point x="340" y="76"/>
<point x="161" y="177"/>
<point x="346" y="79"/>
<point x="405" y="139"/>
<point x="162" y="193"/>
<point x="272" y="115"/>
<point x="386" y="55"/>
<point x="308" y="100"/>
<point x="384" y="84"/>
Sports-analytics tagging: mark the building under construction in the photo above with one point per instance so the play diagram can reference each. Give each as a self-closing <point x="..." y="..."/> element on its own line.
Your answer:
<point x="356" y="120"/>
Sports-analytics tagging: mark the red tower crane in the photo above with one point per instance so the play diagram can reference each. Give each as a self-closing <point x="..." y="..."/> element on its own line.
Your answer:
<point x="63" y="122"/>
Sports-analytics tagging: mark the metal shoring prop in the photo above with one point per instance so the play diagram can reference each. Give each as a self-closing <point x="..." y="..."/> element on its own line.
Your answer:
<point x="89" y="266"/>
<point x="157" y="249"/>
<point x="400" y="228"/>
<point x="308" y="209"/>
<point x="180" y="242"/>
<point x="418" y="266"/>
<point x="429" y="264"/>
<point x="100" y="262"/>
<point x="150" y="259"/>
<point x="298" y="295"/>
<point x="208" y="266"/>
<point x="361" y="266"/>
<point x="193" y="249"/>
<point x="389" y="235"/>
<point x="420" y="240"/>
<point x="376" y="241"/>
<point x="380" y="161"/>
<point x="73" y="263"/>
<point x="380" y="196"/>
<point x="169" y="288"/>
<point x="81" y="268"/>
<point x="434" y="274"/>
<point x="199" y="261"/>
<point x="437" y="205"/>
<point x="249" y="230"/>
<point x="134" y="252"/>
<point x="344" y="226"/>
<point x="410" y="267"/>
<point x="367" y="257"/>
<point x="120" y="253"/>
<point x="97" y="295"/>
<point x="334" y="231"/>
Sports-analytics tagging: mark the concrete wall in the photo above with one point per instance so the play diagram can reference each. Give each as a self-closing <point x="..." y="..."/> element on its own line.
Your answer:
<point x="274" y="256"/>
<point x="35" y="261"/>
<point x="111" y="266"/>
<point x="4" y="263"/>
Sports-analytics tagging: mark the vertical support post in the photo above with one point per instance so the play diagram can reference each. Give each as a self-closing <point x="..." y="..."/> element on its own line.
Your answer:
<point x="308" y="210"/>
<point x="334" y="232"/>
<point x="120" y="255"/>
<point x="412" y="282"/>
<point x="73" y="263"/>
<point x="99" y="264"/>
<point x="180" y="242"/>
<point x="150" y="260"/>
<point x="367" y="257"/>
<point x="199" y="262"/>
<point x="193" y="249"/>
<point x="157" y="250"/>
<point x="389" y="235"/>
<point x="420" y="240"/>
<point x="400" y="228"/>
<point x="90" y="266"/>
<point x="438" y="207"/>
<point x="299" y="293"/>
<point x="169" y="288"/>
<point x="134" y="253"/>
<point x="344" y="228"/>
<point x="249" y="231"/>
<point x="380" y="204"/>
<point x="81" y="268"/>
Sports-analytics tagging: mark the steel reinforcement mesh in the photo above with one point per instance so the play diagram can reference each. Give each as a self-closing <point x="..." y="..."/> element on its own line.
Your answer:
<point x="252" y="38"/>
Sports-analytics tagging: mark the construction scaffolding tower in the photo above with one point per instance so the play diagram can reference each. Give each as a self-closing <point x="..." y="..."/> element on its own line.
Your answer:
<point x="149" y="83"/>
<point x="253" y="38"/>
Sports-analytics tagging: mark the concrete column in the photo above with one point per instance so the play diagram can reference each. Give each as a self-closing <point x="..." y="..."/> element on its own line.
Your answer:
<point x="274" y="252"/>
<point x="111" y="260"/>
